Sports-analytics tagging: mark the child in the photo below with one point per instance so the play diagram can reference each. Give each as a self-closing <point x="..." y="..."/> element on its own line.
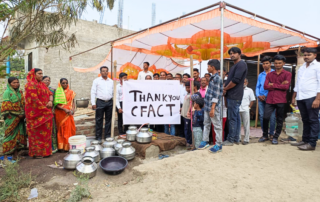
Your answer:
<point x="184" y="113"/>
<point x="197" y="121"/>
<point x="123" y="77"/>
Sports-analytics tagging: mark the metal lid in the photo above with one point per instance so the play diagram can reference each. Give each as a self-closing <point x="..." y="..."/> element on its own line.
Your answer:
<point x="121" y="141"/>
<point x="74" y="151"/>
<point x="90" y="149"/>
<point x="144" y="129"/>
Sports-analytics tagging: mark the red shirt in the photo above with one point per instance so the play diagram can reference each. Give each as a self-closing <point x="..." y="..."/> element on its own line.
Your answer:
<point x="278" y="91"/>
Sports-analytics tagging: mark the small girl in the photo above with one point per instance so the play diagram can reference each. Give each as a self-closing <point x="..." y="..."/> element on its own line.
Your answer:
<point x="197" y="120"/>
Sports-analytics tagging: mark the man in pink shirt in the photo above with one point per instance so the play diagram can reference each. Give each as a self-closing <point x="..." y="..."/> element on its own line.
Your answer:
<point x="203" y="86"/>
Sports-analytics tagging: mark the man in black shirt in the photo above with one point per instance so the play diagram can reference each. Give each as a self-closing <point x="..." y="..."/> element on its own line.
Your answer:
<point x="234" y="92"/>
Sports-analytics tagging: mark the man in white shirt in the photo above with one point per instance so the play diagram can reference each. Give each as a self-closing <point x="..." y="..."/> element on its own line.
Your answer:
<point x="307" y="94"/>
<point x="142" y="75"/>
<point x="246" y="104"/>
<point x="101" y="100"/>
<point x="119" y="103"/>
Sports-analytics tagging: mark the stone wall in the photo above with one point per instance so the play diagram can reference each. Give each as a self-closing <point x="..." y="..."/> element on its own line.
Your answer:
<point x="55" y="61"/>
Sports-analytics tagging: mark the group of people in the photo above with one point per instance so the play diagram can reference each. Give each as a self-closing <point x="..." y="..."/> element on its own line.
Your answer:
<point x="42" y="114"/>
<point x="45" y="115"/>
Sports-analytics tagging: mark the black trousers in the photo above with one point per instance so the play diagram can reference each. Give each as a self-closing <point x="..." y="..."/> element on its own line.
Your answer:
<point x="103" y="109"/>
<point x="310" y="121"/>
<point x="120" y="122"/>
<point x="180" y="128"/>
<point x="269" y="108"/>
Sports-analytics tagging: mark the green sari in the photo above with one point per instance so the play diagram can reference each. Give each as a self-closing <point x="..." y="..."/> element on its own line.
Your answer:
<point x="15" y="136"/>
<point x="54" y="128"/>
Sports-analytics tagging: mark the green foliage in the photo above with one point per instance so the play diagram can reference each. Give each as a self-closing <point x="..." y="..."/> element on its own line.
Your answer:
<point x="1" y="133"/>
<point x="81" y="190"/>
<point x="12" y="181"/>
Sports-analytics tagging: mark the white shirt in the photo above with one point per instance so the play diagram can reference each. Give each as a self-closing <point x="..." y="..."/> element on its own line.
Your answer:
<point x="119" y="95"/>
<point x="308" y="81"/>
<point x="102" y="89"/>
<point x="248" y="97"/>
<point x="224" y="108"/>
<point x="183" y="93"/>
<point x="142" y="75"/>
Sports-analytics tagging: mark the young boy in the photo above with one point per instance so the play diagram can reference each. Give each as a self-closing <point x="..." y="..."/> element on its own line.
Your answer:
<point x="197" y="120"/>
<point x="185" y="110"/>
<point x="123" y="77"/>
<point x="212" y="108"/>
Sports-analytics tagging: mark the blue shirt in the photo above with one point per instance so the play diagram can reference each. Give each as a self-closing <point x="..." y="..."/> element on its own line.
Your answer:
<point x="214" y="92"/>
<point x="260" y="91"/>
<point x="198" y="117"/>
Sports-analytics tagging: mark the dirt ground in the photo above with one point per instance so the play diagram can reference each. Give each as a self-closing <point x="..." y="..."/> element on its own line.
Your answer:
<point x="255" y="172"/>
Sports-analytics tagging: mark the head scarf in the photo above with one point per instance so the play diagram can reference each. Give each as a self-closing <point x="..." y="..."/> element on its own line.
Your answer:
<point x="11" y="94"/>
<point x="60" y="96"/>
<point x="12" y="101"/>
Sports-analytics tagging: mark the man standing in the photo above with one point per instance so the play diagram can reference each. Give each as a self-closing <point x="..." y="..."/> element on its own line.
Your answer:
<point x="277" y="82"/>
<point x="203" y="86"/>
<point x="119" y="103"/>
<point x="196" y="75"/>
<point x="234" y="93"/>
<point x="101" y="100"/>
<point x="212" y="109"/>
<point x="207" y="75"/>
<point x="307" y="93"/>
<point x="262" y="94"/>
<point x="163" y="76"/>
<point x="142" y="75"/>
<point x="169" y="76"/>
<point x="183" y="93"/>
<point x="246" y="104"/>
<point x="156" y="76"/>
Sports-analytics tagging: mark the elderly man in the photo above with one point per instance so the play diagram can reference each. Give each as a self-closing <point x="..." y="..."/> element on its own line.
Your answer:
<point x="163" y="75"/>
<point x="203" y="86"/>
<point x="101" y="100"/>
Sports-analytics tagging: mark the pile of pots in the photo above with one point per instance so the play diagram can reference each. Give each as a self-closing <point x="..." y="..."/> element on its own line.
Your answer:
<point x="143" y="136"/>
<point x="86" y="164"/>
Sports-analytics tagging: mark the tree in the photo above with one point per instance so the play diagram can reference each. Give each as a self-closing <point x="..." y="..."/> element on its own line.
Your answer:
<point x="42" y="21"/>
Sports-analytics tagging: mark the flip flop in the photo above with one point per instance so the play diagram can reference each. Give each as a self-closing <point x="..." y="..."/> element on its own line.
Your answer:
<point x="162" y="156"/>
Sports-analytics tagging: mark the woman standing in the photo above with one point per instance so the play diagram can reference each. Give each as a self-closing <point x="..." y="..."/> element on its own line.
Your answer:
<point x="12" y="109"/>
<point x="39" y="115"/>
<point x="47" y="81"/>
<point x="64" y="114"/>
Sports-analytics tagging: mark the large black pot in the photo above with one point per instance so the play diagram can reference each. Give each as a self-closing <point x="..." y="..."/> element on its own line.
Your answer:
<point x="113" y="165"/>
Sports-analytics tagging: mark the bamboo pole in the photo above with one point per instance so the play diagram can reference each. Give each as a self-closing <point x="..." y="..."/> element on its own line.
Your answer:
<point x="257" y="103"/>
<point x="191" y="90"/>
<point x="114" y="98"/>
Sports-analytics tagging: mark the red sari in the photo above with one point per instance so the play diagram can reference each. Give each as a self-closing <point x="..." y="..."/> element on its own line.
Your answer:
<point x="38" y="116"/>
<point x="65" y="122"/>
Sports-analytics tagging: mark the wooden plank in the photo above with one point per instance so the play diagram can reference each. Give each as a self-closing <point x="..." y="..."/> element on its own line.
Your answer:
<point x="114" y="97"/>
<point x="257" y="104"/>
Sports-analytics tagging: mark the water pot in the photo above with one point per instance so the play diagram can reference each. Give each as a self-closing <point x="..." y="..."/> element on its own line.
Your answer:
<point x="72" y="159"/>
<point x="118" y="145"/>
<point x="144" y="136"/>
<point x="87" y="166"/>
<point x="110" y="142"/>
<point x="107" y="151"/>
<point x="131" y="133"/>
<point x="127" y="151"/>
<point x="91" y="152"/>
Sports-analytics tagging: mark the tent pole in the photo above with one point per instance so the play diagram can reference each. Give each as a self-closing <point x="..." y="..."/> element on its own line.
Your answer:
<point x="257" y="103"/>
<point x="111" y="60"/>
<point x="191" y="90"/>
<point x="114" y="98"/>
<point x="222" y="6"/>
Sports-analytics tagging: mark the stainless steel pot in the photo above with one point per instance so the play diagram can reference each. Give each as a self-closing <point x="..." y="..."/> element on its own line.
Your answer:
<point x="119" y="144"/>
<point x="82" y="103"/>
<point x="144" y="136"/>
<point x="87" y="166"/>
<point x="91" y="152"/>
<point x="127" y="151"/>
<point x="72" y="159"/>
<point x="110" y="142"/>
<point x="97" y="146"/>
<point x="107" y="151"/>
<point x="131" y="133"/>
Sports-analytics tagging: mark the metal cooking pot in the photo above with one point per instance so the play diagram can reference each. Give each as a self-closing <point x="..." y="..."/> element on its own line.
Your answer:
<point x="97" y="146"/>
<point x="127" y="151"/>
<point x="82" y="103"/>
<point x="107" y="151"/>
<point x="118" y="145"/>
<point x="87" y="166"/>
<point x="110" y="142"/>
<point x="91" y="152"/>
<point x="131" y="133"/>
<point x="72" y="159"/>
<point x="144" y="136"/>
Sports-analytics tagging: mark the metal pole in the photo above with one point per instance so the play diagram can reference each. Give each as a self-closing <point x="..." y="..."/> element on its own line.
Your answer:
<point x="257" y="103"/>
<point x="222" y="6"/>
<point x="191" y="93"/>
<point x="114" y="99"/>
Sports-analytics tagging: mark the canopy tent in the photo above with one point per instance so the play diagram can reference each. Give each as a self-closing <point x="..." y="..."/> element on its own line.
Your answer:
<point x="199" y="36"/>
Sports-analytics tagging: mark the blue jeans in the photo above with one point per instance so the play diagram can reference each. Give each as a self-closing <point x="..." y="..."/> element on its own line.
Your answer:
<point x="234" y="120"/>
<point x="187" y="130"/>
<point x="262" y="105"/>
<point x="172" y="130"/>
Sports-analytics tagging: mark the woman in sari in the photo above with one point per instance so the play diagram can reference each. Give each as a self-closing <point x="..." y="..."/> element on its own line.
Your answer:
<point x="64" y="112"/>
<point x="39" y="115"/>
<point x="47" y="81"/>
<point x="12" y="109"/>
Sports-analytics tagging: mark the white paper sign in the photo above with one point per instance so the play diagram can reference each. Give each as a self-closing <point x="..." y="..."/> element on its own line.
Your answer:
<point x="154" y="102"/>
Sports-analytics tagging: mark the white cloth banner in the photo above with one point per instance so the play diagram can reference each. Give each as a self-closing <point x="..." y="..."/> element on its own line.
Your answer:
<point x="153" y="102"/>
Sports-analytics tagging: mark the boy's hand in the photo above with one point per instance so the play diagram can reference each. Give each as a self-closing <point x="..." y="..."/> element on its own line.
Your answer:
<point x="188" y="115"/>
<point x="211" y="114"/>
